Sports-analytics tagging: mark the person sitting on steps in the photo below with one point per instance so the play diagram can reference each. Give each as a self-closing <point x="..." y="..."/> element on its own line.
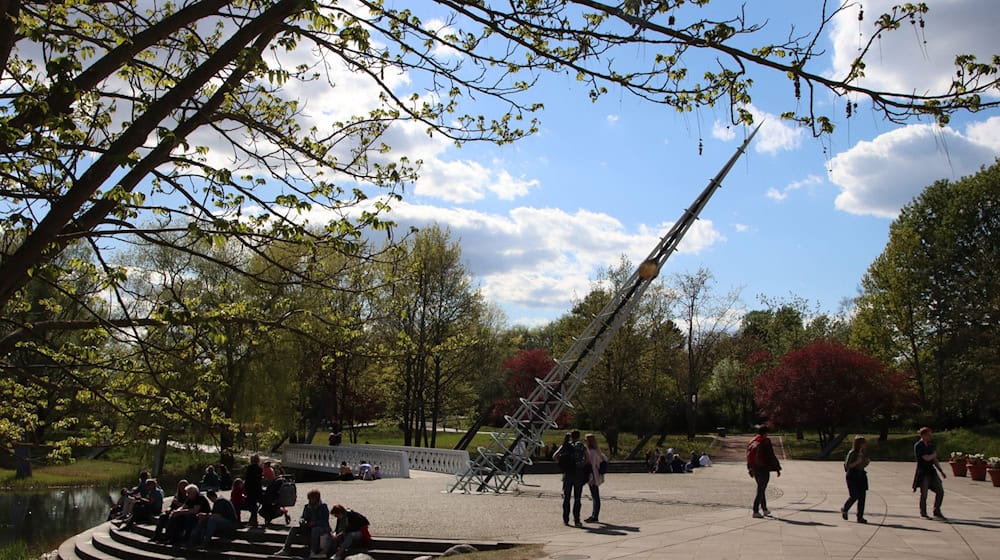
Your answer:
<point x="352" y="529"/>
<point x="314" y="523"/>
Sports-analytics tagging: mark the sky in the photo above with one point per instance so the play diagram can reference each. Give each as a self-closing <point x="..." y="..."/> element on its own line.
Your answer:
<point x="796" y="217"/>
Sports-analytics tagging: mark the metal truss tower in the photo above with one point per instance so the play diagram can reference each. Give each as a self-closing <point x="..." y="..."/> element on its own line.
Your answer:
<point x="496" y="466"/>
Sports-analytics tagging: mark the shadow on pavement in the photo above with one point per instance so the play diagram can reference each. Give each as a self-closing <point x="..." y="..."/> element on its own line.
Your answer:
<point x="982" y="524"/>
<point x="616" y="530"/>
<point x="908" y="527"/>
<point x="805" y="523"/>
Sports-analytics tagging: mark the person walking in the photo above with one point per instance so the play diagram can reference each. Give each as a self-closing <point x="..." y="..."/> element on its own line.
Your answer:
<point x="926" y="476"/>
<point x="598" y="463"/>
<point x="761" y="462"/>
<point x="857" y="478"/>
<point x="572" y="459"/>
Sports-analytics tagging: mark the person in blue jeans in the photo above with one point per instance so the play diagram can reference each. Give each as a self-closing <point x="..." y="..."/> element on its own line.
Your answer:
<point x="572" y="458"/>
<point x="314" y="523"/>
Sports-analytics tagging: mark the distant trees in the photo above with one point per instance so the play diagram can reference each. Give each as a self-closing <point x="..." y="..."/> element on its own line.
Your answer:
<point x="706" y="317"/>
<point x="430" y="326"/>
<point x="519" y="373"/>
<point x="931" y="301"/>
<point x="828" y="387"/>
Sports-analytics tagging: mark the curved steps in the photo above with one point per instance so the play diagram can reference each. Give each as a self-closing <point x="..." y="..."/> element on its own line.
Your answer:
<point x="108" y="542"/>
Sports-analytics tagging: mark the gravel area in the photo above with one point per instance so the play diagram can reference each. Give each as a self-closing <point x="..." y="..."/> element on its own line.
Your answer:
<point x="421" y="506"/>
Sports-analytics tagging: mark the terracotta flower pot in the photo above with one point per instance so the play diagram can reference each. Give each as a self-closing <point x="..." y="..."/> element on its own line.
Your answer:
<point x="977" y="471"/>
<point x="957" y="467"/>
<point x="994" y="476"/>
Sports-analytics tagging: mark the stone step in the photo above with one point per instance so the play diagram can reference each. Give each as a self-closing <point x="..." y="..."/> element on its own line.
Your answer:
<point x="268" y="541"/>
<point x="111" y="548"/>
<point x="108" y="542"/>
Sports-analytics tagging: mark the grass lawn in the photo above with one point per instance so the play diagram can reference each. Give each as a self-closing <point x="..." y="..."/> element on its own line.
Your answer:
<point x="16" y="551"/>
<point x="83" y="472"/>
<point x="899" y="446"/>
<point x="118" y="466"/>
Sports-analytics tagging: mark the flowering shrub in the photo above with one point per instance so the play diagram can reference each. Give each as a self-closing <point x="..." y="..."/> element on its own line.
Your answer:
<point x="976" y="458"/>
<point x="957" y="456"/>
<point x="993" y="462"/>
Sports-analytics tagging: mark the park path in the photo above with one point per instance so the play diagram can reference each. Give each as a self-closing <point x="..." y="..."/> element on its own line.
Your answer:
<point x="731" y="449"/>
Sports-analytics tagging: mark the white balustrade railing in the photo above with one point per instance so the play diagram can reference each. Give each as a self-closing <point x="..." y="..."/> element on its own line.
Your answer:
<point x="325" y="458"/>
<point x="395" y="460"/>
<point x="448" y="461"/>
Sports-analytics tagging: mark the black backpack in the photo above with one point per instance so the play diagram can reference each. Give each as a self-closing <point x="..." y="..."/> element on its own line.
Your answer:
<point x="579" y="456"/>
<point x="565" y="459"/>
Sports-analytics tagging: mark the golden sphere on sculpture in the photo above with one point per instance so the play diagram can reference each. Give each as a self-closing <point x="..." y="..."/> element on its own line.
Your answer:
<point x="648" y="270"/>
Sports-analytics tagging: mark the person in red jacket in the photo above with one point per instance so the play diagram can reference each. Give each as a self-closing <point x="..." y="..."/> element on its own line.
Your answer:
<point x="761" y="462"/>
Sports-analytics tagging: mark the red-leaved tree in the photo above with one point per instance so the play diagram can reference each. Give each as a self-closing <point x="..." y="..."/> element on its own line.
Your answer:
<point x="828" y="387"/>
<point x="521" y="371"/>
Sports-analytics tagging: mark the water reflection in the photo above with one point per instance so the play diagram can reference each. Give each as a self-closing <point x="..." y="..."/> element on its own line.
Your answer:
<point x="44" y="519"/>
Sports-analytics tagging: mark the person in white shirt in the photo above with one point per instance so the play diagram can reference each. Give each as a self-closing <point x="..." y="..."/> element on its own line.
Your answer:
<point x="704" y="461"/>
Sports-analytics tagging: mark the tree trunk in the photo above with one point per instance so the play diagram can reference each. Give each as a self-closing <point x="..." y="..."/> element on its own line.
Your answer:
<point x="22" y="457"/>
<point x="161" y="454"/>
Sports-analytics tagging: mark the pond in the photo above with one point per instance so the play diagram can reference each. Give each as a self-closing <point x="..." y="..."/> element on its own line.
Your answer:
<point x="44" y="519"/>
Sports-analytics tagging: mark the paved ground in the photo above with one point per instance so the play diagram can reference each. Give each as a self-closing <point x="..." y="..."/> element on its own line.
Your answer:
<point x="704" y="515"/>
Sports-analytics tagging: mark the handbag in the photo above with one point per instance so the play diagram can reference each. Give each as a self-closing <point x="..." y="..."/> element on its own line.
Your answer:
<point x="602" y="468"/>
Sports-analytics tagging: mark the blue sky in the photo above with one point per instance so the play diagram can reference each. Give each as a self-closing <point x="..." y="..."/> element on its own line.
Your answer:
<point x="796" y="216"/>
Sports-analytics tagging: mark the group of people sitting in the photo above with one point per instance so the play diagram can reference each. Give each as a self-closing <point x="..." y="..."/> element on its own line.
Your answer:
<point x="350" y="530"/>
<point x="365" y="471"/>
<point x="216" y="477"/>
<point x="140" y="501"/>
<point x="194" y="518"/>
<point x="671" y="462"/>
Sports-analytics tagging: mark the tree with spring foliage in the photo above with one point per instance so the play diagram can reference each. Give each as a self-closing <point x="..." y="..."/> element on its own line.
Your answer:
<point x="183" y="124"/>
<point x="828" y="387"/>
<point x="931" y="300"/>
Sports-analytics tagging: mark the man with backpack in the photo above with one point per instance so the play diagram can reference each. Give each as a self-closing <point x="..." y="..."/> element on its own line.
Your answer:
<point x="761" y="462"/>
<point x="575" y="465"/>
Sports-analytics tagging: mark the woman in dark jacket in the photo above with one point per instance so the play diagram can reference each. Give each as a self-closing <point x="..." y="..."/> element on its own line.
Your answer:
<point x="857" y="478"/>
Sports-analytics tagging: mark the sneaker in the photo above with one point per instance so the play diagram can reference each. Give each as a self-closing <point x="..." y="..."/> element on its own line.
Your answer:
<point x="862" y="520"/>
<point x="843" y="513"/>
<point x="758" y="515"/>
<point x="939" y="515"/>
<point x="283" y="551"/>
<point x="767" y="512"/>
<point x="577" y="523"/>
<point x="590" y="519"/>
<point x="924" y="515"/>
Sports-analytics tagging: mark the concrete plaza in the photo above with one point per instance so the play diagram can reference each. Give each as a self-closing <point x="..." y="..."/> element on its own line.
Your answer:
<point x="698" y="516"/>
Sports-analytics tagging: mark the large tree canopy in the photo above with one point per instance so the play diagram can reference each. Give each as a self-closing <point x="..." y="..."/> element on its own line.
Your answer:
<point x="931" y="300"/>
<point x="828" y="387"/>
<point x="188" y="124"/>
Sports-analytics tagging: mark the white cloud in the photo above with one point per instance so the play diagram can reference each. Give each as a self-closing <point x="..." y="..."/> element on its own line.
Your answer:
<point x="509" y="188"/>
<point x="440" y="29"/>
<point x="901" y="61"/>
<point x="741" y="228"/>
<point x="782" y="194"/>
<point x="880" y="176"/>
<point x="775" y="134"/>
<point x="722" y="131"/>
<point x="541" y="257"/>
<point x="612" y="119"/>
<point x="986" y="133"/>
